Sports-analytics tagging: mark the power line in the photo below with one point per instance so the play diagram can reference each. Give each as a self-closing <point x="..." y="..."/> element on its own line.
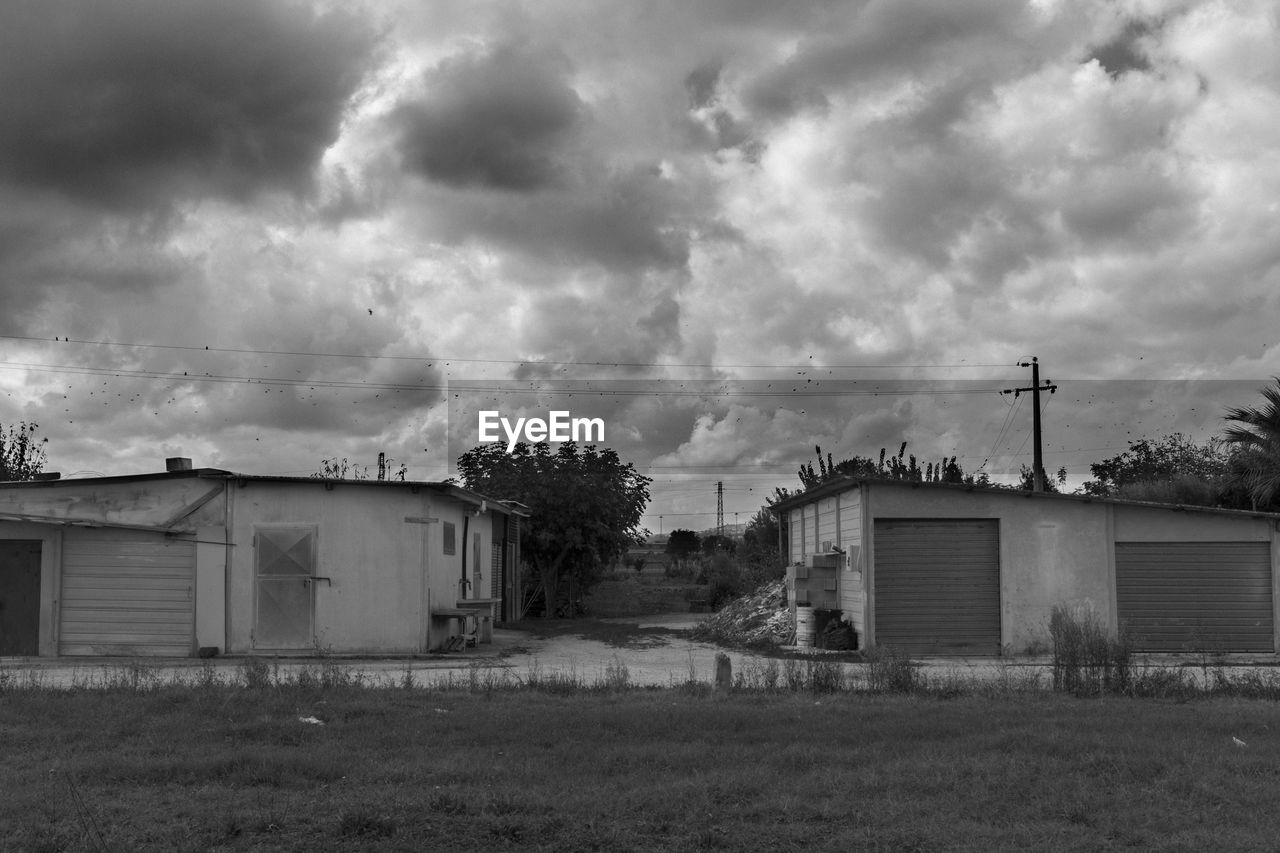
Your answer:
<point x="449" y="359"/>
<point x="173" y="376"/>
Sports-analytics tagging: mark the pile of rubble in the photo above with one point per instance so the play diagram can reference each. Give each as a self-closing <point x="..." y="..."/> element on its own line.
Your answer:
<point x="759" y="618"/>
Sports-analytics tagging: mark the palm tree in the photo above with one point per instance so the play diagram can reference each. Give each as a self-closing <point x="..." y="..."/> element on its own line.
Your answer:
<point x="1256" y="439"/>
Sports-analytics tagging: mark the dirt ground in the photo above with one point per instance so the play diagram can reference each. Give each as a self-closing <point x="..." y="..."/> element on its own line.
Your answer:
<point x="656" y="651"/>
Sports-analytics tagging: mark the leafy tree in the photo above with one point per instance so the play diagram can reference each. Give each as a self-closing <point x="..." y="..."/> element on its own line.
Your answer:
<point x="758" y="554"/>
<point x="683" y="544"/>
<point x="21" y="455"/>
<point x="1027" y="479"/>
<point x="585" y="505"/>
<point x="724" y="578"/>
<point x="1175" y="470"/>
<point x="1255" y="438"/>
<point x="1166" y="460"/>
<point x="714" y="542"/>
<point x="762" y="530"/>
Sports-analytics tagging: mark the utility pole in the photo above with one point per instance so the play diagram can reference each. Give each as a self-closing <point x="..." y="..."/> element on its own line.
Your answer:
<point x="720" y="509"/>
<point x="1037" y="473"/>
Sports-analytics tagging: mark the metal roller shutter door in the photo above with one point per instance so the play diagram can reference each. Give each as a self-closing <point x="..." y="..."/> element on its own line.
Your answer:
<point x="127" y="592"/>
<point x="937" y="586"/>
<point x="1182" y="596"/>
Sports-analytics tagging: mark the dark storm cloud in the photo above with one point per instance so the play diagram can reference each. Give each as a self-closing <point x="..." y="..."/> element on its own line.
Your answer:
<point x="623" y="219"/>
<point x="662" y="325"/>
<point x="139" y="102"/>
<point x="877" y="40"/>
<point x="1124" y="52"/>
<point x="701" y="84"/>
<point x="497" y="119"/>
<point x="53" y="257"/>
<point x="512" y="156"/>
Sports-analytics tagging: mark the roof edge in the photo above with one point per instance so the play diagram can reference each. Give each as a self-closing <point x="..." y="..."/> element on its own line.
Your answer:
<point x="450" y="489"/>
<point x="845" y="482"/>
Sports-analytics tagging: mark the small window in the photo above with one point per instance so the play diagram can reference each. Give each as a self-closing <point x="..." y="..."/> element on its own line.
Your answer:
<point x="450" y="538"/>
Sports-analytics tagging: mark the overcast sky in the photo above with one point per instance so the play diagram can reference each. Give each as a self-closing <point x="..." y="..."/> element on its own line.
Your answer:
<point x="260" y="234"/>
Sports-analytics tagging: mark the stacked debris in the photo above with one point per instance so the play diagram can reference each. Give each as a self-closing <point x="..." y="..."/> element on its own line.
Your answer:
<point x="839" y="635"/>
<point x="761" y="618"/>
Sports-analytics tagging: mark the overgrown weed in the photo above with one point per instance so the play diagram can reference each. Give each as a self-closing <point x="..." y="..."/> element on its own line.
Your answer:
<point x="134" y="676"/>
<point x="1087" y="660"/>
<point x="255" y="673"/>
<point x="1086" y="663"/>
<point x="616" y="675"/>
<point x="889" y="671"/>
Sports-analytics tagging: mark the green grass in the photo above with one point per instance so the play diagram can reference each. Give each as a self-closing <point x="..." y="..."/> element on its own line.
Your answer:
<point x="559" y="766"/>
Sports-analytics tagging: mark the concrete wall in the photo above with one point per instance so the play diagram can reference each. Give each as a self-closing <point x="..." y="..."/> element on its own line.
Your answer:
<point x="385" y="574"/>
<point x="1052" y="552"/>
<point x="211" y="588"/>
<point x="1150" y="524"/>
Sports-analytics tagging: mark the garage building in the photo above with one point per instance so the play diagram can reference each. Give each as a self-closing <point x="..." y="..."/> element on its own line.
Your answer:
<point x="953" y="570"/>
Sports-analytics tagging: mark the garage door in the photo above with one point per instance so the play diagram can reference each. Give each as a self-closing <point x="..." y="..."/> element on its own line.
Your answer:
<point x="937" y="586"/>
<point x="1189" y="596"/>
<point x="126" y="592"/>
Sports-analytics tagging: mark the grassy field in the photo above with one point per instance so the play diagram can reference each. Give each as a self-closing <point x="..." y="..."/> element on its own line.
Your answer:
<point x="329" y="765"/>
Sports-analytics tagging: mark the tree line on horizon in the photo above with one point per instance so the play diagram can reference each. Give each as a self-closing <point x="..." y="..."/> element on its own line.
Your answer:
<point x="1239" y="469"/>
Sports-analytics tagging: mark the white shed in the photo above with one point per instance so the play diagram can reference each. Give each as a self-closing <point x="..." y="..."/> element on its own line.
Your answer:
<point x="172" y="563"/>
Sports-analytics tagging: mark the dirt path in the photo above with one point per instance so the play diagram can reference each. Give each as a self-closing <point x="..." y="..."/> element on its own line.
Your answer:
<point x="653" y="651"/>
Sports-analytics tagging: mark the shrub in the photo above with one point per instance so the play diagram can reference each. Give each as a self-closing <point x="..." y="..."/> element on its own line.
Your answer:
<point x="724" y="578"/>
<point x="891" y="672"/>
<point x="255" y="673"/>
<point x="1086" y="659"/>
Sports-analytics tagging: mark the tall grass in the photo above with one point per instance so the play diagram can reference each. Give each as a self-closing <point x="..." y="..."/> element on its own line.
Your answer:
<point x="1087" y="659"/>
<point x="1085" y="662"/>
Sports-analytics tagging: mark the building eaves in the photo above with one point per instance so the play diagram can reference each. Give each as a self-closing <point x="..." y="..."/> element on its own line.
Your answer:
<point x="60" y="521"/>
<point x="845" y="483"/>
<point x="71" y="482"/>
<point x="451" y="490"/>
